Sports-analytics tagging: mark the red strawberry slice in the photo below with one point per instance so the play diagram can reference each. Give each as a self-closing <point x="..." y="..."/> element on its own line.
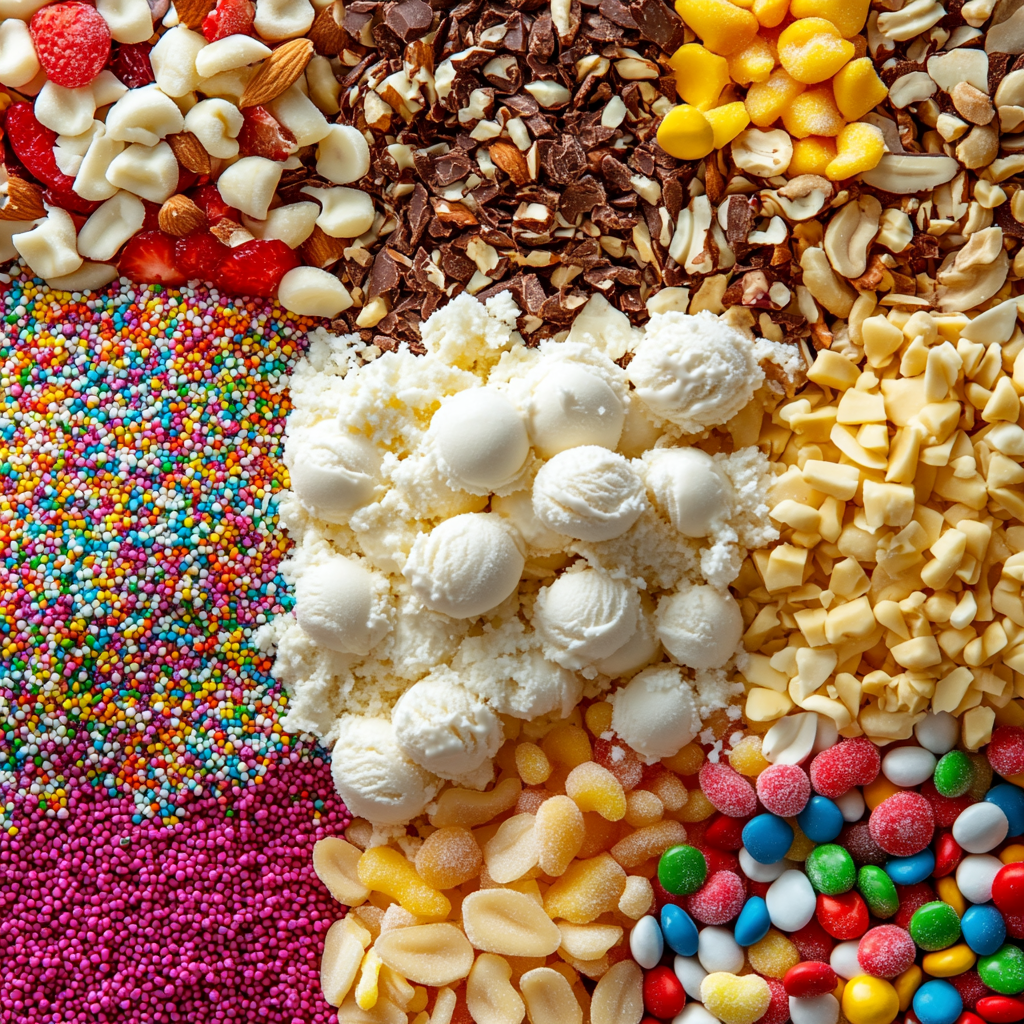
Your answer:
<point x="71" y="201"/>
<point x="148" y="258"/>
<point x="130" y="64"/>
<point x="230" y="17"/>
<point x="199" y="256"/>
<point x="210" y="201"/>
<point x="33" y="146"/>
<point x="72" y="41"/>
<point x="263" y="135"/>
<point x="256" y="267"/>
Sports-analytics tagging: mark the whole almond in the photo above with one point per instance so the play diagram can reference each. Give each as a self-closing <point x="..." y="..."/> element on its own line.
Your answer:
<point x="189" y="152"/>
<point x="326" y="34"/>
<point x="179" y="216"/>
<point x="21" y="200"/>
<point x="321" y="250"/>
<point x="191" y="12"/>
<point x="277" y="73"/>
<point x="509" y="158"/>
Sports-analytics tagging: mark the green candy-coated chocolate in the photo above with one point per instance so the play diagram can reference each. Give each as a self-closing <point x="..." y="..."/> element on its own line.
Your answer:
<point x="682" y="870"/>
<point x="830" y="869"/>
<point x="953" y="774"/>
<point x="935" y="926"/>
<point x="1003" y="971"/>
<point x="878" y="891"/>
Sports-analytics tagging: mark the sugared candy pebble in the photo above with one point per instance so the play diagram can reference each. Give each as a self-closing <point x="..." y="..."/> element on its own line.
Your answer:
<point x="773" y="955"/>
<point x="449" y="857"/>
<point x="813" y="941"/>
<point x="853" y="762"/>
<point x="647" y="842"/>
<point x="682" y="870"/>
<point x="981" y="827"/>
<point x="984" y="929"/>
<point x="733" y="999"/>
<point x="843" y="960"/>
<point x="784" y="789"/>
<point x="622" y="761"/>
<point x="868" y="1000"/>
<point x="908" y="766"/>
<point x="886" y="951"/>
<point x="1003" y="971"/>
<point x="717" y="950"/>
<point x="594" y="788"/>
<point x="646" y="942"/>
<point x="981" y="780"/>
<point x="727" y="790"/>
<point x="778" y="1006"/>
<point x="821" y="820"/>
<point x="725" y="833"/>
<point x="719" y="899"/>
<point x="1008" y="888"/>
<point x="790" y="901"/>
<point x="902" y="825"/>
<point x="911" y="870"/>
<point x="938" y="732"/>
<point x="843" y="917"/>
<point x="975" y="877"/>
<point x="386" y="870"/>
<point x="935" y="926"/>
<point x="758" y="872"/>
<point x="532" y="764"/>
<point x="1000" y="1009"/>
<point x="948" y="855"/>
<point x="863" y="849"/>
<point x="911" y="897"/>
<point x="767" y="837"/>
<point x="663" y="993"/>
<point x="878" y="891"/>
<point x="1005" y="751"/>
<point x="690" y="974"/>
<point x="851" y="805"/>
<point x="953" y="774"/>
<point x="830" y="869"/>
<point x="946" y="809"/>
<point x="971" y="988"/>
<point x="810" y="978"/>
<point x="1011" y="800"/>
<point x="815" y="1010"/>
<point x="678" y="929"/>
<point x="753" y="923"/>
<point x="746" y="758"/>
<point x="937" y="1002"/>
<point x="948" y="963"/>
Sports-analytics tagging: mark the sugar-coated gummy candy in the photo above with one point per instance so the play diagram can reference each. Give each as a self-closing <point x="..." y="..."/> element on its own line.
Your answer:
<point x="778" y="1005"/>
<point x="815" y="1010"/>
<point x="843" y="917"/>
<point x="568" y="745"/>
<point x="733" y="999"/>
<point x="621" y="760"/>
<point x="790" y="901"/>
<point x="558" y="833"/>
<point x="698" y="808"/>
<point x="718" y="950"/>
<point x="1011" y="800"/>
<point x="938" y="732"/>
<point x="449" y="857"/>
<point x="911" y="897"/>
<point x="678" y="930"/>
<point x="746" y="757"/>
<point x="908" y="766"/>
<point x="647" y="842"/>
<point x="594" y="788"/>
<point x="911" y="870"/>
<point x="637" y="898"/>
<point x="853" y="762"/>
<point x="981" y="780"/>
<point x="878" y="891"/>
<point x="953" y="774"/>
<point x="821" y="820"/>
<point x="971" y="988"/>
<point x="1005" y="750"/>
<point x="903" y="824"/>
<point x="784" y="789"/>
<point x="809" y="978"/>
<point x="937" y="1002"/>
<point x="857" y="840"/>
<point x="975" y="876"/>
<point x="724" y="832"/>
<point x="753" y="923"/>
<point x="830" y="869"/>
<point x="588" y="889"/>
<point x="886" y="951"/>
<point x="946" y="809"/>
<point x="682" y="870"/>
<point x="1003" y="971"/>
<point x="773" y="955"/>
<point x="1008" y="888"/>
<point x="386" y="870"/>
<point x="813" y="941"/>
<point x="981" y="827"/>
<point x="719" y="899"/>
<point x="868" y="1000"/>
<point x="984" y="929"/>
<point x="767" y="838"/>
<point x="668" y="788"/>
<point x="727" y="790"/>
<point x="663" y="993"/>
<point x="646" y="942"/>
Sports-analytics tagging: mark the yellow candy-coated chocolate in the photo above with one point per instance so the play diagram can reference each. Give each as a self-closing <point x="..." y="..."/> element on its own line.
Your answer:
<point x="812" y="50"/>
<point x="948" y="963"/>
<point x="727" y="121"/>
<point x="1012" y="854"/>
<point x="700" y="75"/>
<point x="868" y="1000"/>
<point x="813" y="112"/>
<point x="723" y="26"/>
<point x="859" y="147"/>
<point x="950" y="893"/>
<point x="811" y="155"/>
<point x="686" y="133"/>
<point x="857" y="88"/>
<point x="907" y="984"/>
<point x="879" y="790"/>
<point x="848" y="16"/>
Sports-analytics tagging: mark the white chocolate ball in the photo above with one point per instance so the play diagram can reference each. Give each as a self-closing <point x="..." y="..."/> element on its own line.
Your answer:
<point x="700" y="626"/>
<point x="572" y="407"/>
<point x="688" y="487"/>
<point x="341" y="606"/>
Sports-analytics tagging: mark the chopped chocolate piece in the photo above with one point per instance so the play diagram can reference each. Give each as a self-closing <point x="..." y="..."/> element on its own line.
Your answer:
<point x="739" y="223"/>
<point x="998" y="64"/>
<point x="659" y="23"/>
<point x="587" y="193"/>
<point x="586" y="254"/>
<point x="385" y="275"/>
<point x="515" y="37"/>
<point x="456" y="264"/>
<point x="898" y="70"/>
<point x="386" y="40"/>
<point x="453" y="166"/>
<point x="618" y="13"/>
<point x="358" y="15"/>
<point x="523" y="105"/>
<point x="564" y="160"/>
<point x="408" y="19"/>
<point x="616" y="173"/>
<point x="540" y="125"/>
<point x="1006" y="220"/>
<point x="605" y="277"/>
<point x="608" y="219"/>
<point x="529" y="292"/>
<point x="542" y="37"/>
<point x="601" y="30"/>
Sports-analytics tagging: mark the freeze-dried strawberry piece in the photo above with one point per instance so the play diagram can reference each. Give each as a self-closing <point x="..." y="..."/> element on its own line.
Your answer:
<point x="228" y="18"/>
<point x="130" y="64"/>
<point x="263" y="135"/>
<point x="72" y="41"/>
<point x="256" y="267"/>
<point x="33" y="146"/>
<point x="199" y="257"/>
<point x="71" y="201"/>
<point x="210" y="201"/>
<point x="148" y="258"/>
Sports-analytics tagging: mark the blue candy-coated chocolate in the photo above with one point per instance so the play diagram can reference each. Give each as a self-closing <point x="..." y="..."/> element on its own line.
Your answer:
<point x="937" y="1002"/>
<point x="753" y="923"/>
<point x="821" y="820"/>
<point x="911" y="870"/>
<point x="767" y="838"/>
<point x="984" y="929"/>
<point x="1010" y="800"/>
<point x="679" y="930"/>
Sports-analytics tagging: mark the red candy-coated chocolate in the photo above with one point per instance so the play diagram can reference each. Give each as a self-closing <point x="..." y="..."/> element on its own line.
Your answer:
<point x="1000" y="1009"/>
<point x="886" y="951"/>
<point x="813" y="942"/>
<point x="912" y="897"/>
<point x="778" y="1007"/>
<point x="1005" y="751"/>
<point x="784" y="789"/>
<point x="1014" y="925"/>
<point x="903" y="824"/>
<point x="719" y="899"/>
<point x="1008" y="889"/>
<point x="968" y="1018"/>
<point x="971" y="988"/>
<point x="851" y="763"/>
<point x="725" y="833"/>
<point x="663" y="993"/>
<point x="843" y="917"/>
<point x="759" y="888"/>
<point x="946" y="809"/>
<point x="727" y="790"/>
<point x="809" y="978"/>
<point x="948" y="854"/>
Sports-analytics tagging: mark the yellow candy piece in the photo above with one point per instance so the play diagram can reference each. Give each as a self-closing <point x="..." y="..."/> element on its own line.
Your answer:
<point x="770" y="13"/>
<point x="366" y="985"/>
<point x="568" y="745"/>
<point x="598" y="717"/>
<point x="950" y="893"/>
<point x="386" y="870"/>
<point x="746" y="757"/>
<point x="859" y="147"/>
<point x="948" y="963"/>
<point x="587" y="890"/>
<point x="593" y="788"/>
<point x="857" y="88"/>
<point x="697" y="808"/>
<point x="801" y="845"/>
<point x="767" y="100"/>
<point x="733" y="999"/>
<point x="848" y="16"/>
<point x="812" y="50"/>
<point x="532" y="764"/>
<point x="907" y="984"/>
<point x="724" y="27"/>
<point x="686" y="133"/>
<point x="868" y="1000"/>
<point x="727" y="121"/>
<point x="813" y="112"/>
<point x="700" y="75"/>
<point x="879" y="790"/>
<point x="1012" y="854"/>
<point x="811" y="156"/>
<point x="753" y="63"/>
<point x="687" y="761"/>
<point x="773" y="955"/>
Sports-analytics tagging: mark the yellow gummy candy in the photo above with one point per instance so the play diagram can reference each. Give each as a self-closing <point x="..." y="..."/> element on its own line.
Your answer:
<point x="766" y="101"/>
<point x="811" y="156"/>
<point x="727" y="121"/>
<point x="722" y="26"/>
<point x="688" y="760"/>
<point x="858" y="89"/>
<point x="746" y="757"/>
<point x="812" y="50"/>
<point x="773" y="955"/>
<point x="594" y="788"/>
<point x="700" y="75"/>
<point x="386" y="870"/>
<point x="848" y="16"/>
<point x="859" y="147"/>
<point x="813" y="112"/>
<point x="770" y="13"/>
<point x="698" y="807"/>
<point x="686" y="133"/>
<point x="733" y="999"/>
<point x="587" y="890"/>
<point x="868" y="1000"/>
<point x="754" y="63"/>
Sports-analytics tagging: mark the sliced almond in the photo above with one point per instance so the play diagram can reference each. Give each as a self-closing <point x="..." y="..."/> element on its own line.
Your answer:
<point x="277" y="73"/>
<point x="21" y="200"/>
<point x="189" y="152"/>
<point x="191" y="12"/>
<point x="179" y="216"/>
